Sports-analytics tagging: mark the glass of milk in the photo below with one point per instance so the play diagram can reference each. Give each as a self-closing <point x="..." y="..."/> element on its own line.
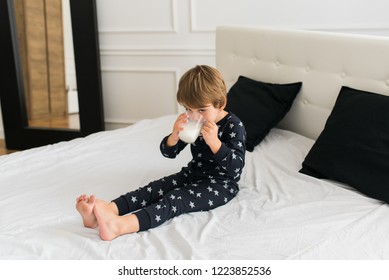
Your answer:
<point x="191" y="130"/>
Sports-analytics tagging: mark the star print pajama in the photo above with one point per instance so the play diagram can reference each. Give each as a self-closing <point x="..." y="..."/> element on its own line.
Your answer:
<point x="209" y="181"/>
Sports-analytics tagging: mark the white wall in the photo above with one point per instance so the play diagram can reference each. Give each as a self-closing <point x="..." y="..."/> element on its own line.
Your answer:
<point x="146" y="45"/>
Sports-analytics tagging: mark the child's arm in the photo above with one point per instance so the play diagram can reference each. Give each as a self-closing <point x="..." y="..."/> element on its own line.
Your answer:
<point x="209" y="132"/>
<point x="171" y="146"/>
<point x="231" y="155"/>
<point x="173" y="137"/>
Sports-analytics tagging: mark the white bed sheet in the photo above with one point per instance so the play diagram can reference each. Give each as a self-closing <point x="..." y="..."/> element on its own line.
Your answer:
<point x="278" y="213"/>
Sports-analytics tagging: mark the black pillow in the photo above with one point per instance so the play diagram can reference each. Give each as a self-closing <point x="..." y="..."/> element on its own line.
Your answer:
<point x="260" y="106"/>
<point x="353" y="148"/>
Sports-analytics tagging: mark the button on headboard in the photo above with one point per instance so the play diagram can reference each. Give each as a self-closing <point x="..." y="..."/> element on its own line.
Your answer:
<point x="323" y="61"/>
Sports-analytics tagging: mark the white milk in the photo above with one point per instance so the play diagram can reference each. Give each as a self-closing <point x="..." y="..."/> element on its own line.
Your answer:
<point x="190" y="132"/>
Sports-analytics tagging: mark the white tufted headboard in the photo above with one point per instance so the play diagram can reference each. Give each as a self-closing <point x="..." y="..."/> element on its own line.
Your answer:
<point x="322" y="61"/>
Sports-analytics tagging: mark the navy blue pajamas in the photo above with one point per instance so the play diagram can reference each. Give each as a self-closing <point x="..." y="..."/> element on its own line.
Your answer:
<point x="209" y="181"/>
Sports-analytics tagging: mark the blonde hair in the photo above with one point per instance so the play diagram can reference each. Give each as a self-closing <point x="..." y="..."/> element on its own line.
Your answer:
<point x="201" y="86"/>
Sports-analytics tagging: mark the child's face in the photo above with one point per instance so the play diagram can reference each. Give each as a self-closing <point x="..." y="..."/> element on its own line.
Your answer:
<point x="209" y="112"/>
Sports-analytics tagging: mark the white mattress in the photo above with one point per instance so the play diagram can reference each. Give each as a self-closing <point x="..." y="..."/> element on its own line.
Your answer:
<point x="278" y="213"/>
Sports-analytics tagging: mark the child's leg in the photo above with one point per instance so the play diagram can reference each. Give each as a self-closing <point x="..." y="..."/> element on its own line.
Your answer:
<point x="110" y="224"/>
<point x="150" y="193"/>
<point x="110" y="216"/>
<point x="200" y="196"/>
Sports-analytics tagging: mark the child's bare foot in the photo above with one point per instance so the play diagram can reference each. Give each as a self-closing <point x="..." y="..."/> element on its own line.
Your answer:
<point x="110" y="224"/>
<point x="85" y="207"/>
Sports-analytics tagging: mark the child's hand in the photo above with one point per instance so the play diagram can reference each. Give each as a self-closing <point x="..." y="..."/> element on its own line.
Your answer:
<point x="210" y="135"/>
<point x="177" y="127"/>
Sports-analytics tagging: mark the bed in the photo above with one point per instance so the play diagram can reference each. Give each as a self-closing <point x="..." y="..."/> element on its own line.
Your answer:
<point x="280" y="212"/>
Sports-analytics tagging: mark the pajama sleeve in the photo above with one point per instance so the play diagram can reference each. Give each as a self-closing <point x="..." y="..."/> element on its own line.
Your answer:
<point x="171" y="152"/>
<point x="231" y="154"/>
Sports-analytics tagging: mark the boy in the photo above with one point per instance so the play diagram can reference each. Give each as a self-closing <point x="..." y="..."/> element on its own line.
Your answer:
<point x="208" y="181"/>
